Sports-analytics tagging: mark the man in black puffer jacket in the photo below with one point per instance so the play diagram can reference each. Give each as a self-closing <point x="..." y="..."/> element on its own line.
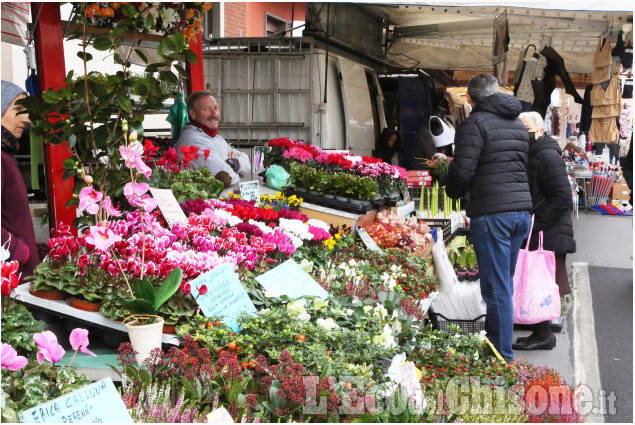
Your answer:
<point x="490" y="170"/>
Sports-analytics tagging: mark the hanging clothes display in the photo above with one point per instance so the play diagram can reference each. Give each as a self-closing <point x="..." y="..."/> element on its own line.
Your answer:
<point x="606" y="95"/>
<point x="625" y="122"/>
<point x="627" y="92"/>
<point x="604" y="130"/>
<point x="587" y="111"/>
<point x="604" y="111"/>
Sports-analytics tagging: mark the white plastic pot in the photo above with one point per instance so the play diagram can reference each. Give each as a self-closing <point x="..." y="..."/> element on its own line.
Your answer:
<point x="145" y="338"/>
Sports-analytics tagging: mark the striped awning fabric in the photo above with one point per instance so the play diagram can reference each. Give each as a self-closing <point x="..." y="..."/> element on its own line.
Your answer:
<point x="15" y="17"/>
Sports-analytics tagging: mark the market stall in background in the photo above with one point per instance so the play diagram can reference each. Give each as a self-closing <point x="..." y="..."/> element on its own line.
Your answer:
<point x="337" y="281"/>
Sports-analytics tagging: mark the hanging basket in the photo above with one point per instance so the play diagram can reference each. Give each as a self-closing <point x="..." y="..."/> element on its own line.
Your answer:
<point x="145" y="338"/>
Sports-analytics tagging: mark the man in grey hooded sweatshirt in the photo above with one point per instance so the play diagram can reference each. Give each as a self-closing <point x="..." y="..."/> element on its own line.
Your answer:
<point x="226" y="163"/>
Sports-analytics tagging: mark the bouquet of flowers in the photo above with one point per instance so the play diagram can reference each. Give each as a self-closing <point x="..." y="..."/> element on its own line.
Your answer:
<point x="439" y="163"/>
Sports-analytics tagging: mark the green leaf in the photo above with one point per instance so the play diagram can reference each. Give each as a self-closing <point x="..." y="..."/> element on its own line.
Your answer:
<point x="116" y="32"/>
<point x="86" y="57"/>
<point x="168" y="287"/>
<point x="181" y="71"/>
<point x="141" y="55"/>
<point x="144" y="375"/>
<point x="143" y="290"/>
<point x="69" y="163"/>
<point x="149" y="23"/>
<point x="161" y="49"/>
<point x="124" y="103"/>
<point x="128" y="10"/>
<point x="168" y="76"/>
<point x="51" y="96"/>
<point x="190" y="56"/>
<point x="102" y="43"/>
<point x="139" y="307"/>
<point x="72" y="140"/>
<point x="153" y="67"/>
<point x="130" y="372"/>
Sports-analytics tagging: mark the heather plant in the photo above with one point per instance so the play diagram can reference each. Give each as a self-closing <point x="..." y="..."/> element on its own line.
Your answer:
<point x="157" y="402"/>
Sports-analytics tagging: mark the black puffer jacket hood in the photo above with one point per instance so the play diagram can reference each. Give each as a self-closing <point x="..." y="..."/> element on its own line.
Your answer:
<point x="552" y="197"/>
<point x="490" y="159"/>
<point x="503" y="105"/>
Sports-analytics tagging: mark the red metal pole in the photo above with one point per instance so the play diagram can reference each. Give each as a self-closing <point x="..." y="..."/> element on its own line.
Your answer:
<point x="51" y="69"/>
<point x="197" y="73"/>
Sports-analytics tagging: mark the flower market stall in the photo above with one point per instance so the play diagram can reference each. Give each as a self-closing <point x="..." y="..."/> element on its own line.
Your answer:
<point x="268" y="312"/>
<point x="334" y="358"/>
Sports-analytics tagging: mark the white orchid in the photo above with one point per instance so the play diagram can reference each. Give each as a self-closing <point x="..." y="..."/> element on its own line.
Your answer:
<point x="380" y="311"/>
<point x="169" y="16"/>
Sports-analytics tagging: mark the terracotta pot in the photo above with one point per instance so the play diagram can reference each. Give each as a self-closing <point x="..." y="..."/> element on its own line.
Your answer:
<point x="169" y="329"/>
<point x="84" y="305"/>
<point x="54" y="295"/>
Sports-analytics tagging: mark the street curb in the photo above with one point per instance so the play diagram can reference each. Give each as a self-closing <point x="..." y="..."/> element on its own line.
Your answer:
<point x="586" y="365"/>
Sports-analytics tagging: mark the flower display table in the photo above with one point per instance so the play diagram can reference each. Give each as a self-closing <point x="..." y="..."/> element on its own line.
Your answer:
<point x="95" y="319"/>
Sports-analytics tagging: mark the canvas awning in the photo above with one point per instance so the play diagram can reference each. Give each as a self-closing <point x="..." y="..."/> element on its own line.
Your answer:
<point x="459" y="34"/>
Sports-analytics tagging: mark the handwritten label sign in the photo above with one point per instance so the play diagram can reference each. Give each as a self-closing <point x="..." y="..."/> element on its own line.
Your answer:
<point x="409" y="381"/>
<point x="368" y="241"/>
<point x="250" y="191"/>
<point x="225" y="295"/>
<point x="97" y="403"/>
<point x="169" y="206"/>
<point x="289" y="279"/>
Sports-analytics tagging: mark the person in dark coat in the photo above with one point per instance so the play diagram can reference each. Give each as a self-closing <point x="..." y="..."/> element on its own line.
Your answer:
<point x="627" y="169"/>
<point x="18" y="235"/>
<point x="388" y="144"/>
<point x="490" y="170"/>
<point x="553" y="203"/>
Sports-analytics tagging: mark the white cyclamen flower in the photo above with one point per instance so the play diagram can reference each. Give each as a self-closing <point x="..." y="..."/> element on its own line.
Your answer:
<point x="327" y="324"/>
<point x="385" y="338"/>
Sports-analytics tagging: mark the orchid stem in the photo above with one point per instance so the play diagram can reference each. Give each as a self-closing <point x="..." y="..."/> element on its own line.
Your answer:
<point x="69" y="365"/>
<point x="122" y="273"/>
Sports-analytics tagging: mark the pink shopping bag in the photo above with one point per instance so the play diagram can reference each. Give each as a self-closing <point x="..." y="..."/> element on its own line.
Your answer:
<point x="536" y="294"/>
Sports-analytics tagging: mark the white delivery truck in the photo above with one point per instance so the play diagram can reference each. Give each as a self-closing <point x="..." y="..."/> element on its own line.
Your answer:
<point x="275" y="87"/>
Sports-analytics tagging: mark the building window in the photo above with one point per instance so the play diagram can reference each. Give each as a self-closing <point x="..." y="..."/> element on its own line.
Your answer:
<point x="274" y="25"/>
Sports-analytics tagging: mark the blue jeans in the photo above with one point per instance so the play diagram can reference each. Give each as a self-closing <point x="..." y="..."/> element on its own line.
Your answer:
<point x="497" y="239"/>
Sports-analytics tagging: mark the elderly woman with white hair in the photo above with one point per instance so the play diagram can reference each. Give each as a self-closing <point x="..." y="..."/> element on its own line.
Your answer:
<point x="551" y="195"/>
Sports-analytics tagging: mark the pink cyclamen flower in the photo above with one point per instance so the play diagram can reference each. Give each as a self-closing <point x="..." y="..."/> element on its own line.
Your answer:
<point x="88" y="198"/>
<point x="48" y="347"/>
<point x="102" y="237"/>
<point x="135" y="193"/>
<point x="79" y="341"/>
<point x="107" y="205"/>
<point x="10" y="358"/>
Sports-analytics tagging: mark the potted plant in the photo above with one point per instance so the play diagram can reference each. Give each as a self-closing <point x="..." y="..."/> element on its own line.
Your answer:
<point x="91" y="114"/>
<point x="144" y="326"/>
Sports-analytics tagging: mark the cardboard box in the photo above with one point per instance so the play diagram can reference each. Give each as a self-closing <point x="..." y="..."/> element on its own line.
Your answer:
<point x="621" y="192"/>
<point x="419" y="183"/>
<point x="417" y="173"/>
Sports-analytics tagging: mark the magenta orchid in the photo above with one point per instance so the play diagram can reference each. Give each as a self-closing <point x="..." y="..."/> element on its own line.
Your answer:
<point x="133" y="160"/>
<point x="10" y="359"/>
<point x="88" y="200"/>
<point x="135" y="193"/>
<point x="107" y="205"/>
<point x="48" y="347"/>
<point x="102" y="237"/>
<point x="79" y="341"/>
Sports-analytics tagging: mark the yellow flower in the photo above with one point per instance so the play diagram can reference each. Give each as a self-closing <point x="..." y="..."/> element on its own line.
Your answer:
<point x="338" y="236"/>
<point x="329" y="243"/>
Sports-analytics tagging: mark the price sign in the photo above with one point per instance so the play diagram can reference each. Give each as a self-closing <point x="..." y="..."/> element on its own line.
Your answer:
<point x="250" y="191"/>
<point x="225" y="295"/>
<point x="289" y="279"/>
<point x="169" y="206"/>
<point x="99" y="402"/>
<point x="368" y="241"/>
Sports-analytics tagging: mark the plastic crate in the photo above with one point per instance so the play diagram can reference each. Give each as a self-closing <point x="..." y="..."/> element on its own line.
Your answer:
<point x="442" y="223"/>
<point x="442" y="323"/>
